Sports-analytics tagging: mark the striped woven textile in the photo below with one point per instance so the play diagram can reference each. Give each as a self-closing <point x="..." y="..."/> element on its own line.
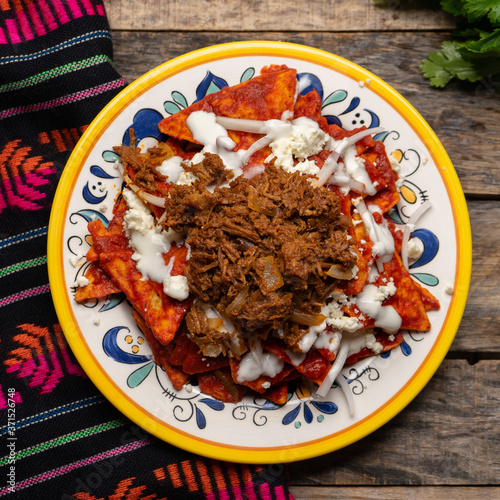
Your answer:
<point x="59" y="437"/>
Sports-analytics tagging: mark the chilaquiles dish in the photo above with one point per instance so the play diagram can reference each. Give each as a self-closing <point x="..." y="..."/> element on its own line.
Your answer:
<point x="254" y="246"/>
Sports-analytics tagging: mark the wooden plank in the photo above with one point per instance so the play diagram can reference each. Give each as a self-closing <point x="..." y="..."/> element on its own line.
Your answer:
<point x="395" y="493"/>
<point x="472" y="139"/>
<point x="272" y="15"/>
<point x="447" y="436"/>
<point x="480" y="327"/>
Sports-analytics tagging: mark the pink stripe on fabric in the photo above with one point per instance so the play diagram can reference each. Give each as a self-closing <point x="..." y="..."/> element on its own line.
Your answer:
<point x="47" y="15"/>
<point x="68" y="468"/>
<point x="40" y="373"/>
<point x="250" y="491"/>
<point x="89" y="9"/>
<point x="25" y="25"/>
<point x="237" y="492"/>
<point x="77" y="96"/>
<point x="75" y="9"/>
<point x="55" y="375"/>
<point x="35" y="19"/>
<point x="60" y="11"/>
<point x="14" y="367"/>
<point x="27" y="293"/>
<point x="12" y="30"/>
<point x="265" y="491"/>
<point x="2" y="36"/>
<point x="279" y="492"/>
<point x="100" y="10"/>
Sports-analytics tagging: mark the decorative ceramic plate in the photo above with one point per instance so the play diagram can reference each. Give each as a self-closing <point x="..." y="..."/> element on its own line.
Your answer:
<point x="112" y="350"/>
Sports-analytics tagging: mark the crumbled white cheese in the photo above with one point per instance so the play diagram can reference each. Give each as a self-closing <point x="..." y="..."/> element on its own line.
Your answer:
<point x="301" y="140"/>
<point x="82" y="281"/>
<point x="75" y="260"/>
<point x="176" y="287"/>
<point x="335" y="317"/>
<point x="372" y="344"/>
<point x="266" y="385"/>
<point x="415" y="248"/>
<point x="395" y="165"/>
<point x="329" y="341"/>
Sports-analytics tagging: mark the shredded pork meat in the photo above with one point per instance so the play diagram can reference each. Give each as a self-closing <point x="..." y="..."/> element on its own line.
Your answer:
<point x="259" y="252"/>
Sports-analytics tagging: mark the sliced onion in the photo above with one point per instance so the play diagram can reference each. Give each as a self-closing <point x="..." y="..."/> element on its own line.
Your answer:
<point x="331" y="162"/>
<point x="337" y="366"/>
<point x="271" y="274"/>
<point x="145" y="196"/>
<point x="407" y="231"/>
<point x="344" y="386"/>
<point x="241" y="124"/>
<point x="307" y="319"/>
<point x="254" y="203"/>
<point x="337" y="272"/>
<point x="259" y="144"/>
<point x="328" y="167"/>
<point x="162" y="218"/>
<point x="215" y="323"/>
<point x="238" y="301"/>
<point x="363" y="133"/>
<point x="351" y="183"/>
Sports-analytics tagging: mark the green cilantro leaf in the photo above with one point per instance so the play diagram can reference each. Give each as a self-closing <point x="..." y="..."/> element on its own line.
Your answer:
<point x="481" y="41"/>
<point x="455" y="7"/>
<point x="446" y="64"/>
<point x="477" y="9"/>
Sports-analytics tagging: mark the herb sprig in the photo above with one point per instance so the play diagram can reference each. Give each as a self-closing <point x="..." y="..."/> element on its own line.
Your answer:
<point x="474" y="53"/>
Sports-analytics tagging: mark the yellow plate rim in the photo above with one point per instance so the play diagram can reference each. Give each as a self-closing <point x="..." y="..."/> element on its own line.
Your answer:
<point x="234" y="453"/>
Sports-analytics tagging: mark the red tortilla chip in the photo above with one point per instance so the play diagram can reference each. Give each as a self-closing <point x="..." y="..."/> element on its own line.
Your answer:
<point x="264" y="97"/>
<point x="382" y="338"/>
<point x="161" y="355"/>
<point x="219" y="384"/>
<point x="430" y="302"/>
<point x="260" y="384"/>
<point x="186" y="354"/>
<point x="314" y="367"/>
<point x="407" y="300"/>
<point x="161" y="313"/>
<point x="277" y="394"/>
<point x="100" y="284"/>
<point x="309" y="106"/>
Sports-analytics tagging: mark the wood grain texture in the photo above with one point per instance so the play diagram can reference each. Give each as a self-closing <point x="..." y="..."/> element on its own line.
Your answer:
<point x="395" y="493"/>
<point x="471" y="139"/>
<point x="479" y="330"/>
<point x="448" y="435"/>
<point x="272" y="15"/>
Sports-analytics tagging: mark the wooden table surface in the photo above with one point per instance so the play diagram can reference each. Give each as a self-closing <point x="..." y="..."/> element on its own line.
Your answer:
<point x="446" y="443"/>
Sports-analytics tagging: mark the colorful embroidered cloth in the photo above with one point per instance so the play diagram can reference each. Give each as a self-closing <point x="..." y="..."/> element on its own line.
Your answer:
<point x="60" y="438"/>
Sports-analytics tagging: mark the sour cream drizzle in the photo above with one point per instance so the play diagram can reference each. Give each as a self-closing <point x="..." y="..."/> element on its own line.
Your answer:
<point x="257" y="363"/>
<point x="149" y="243"/>
<point x="215" y="139"/>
